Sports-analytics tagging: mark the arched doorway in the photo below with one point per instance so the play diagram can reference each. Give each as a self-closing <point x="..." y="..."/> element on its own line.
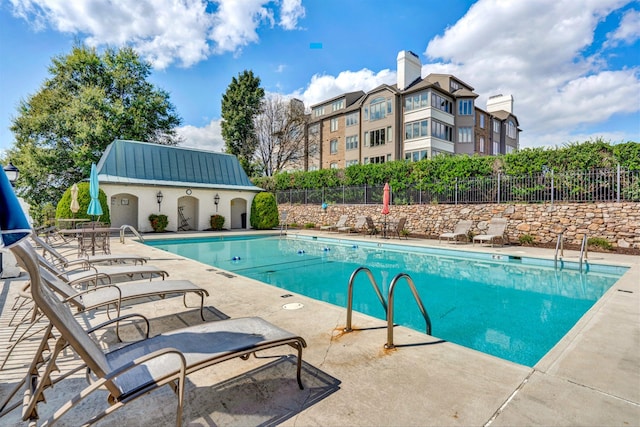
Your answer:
<point x="124" y="210"/>
<point x="187" y="213"/>
<point x="239" y="213"/>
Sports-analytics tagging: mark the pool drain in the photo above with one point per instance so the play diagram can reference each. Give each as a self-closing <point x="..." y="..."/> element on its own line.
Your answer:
<point x="293" y="306"/>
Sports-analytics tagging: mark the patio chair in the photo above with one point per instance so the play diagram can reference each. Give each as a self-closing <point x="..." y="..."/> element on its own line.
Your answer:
<point x="496" y="230"/>
<point x="341" y="223"/>
<point x="360" y="225"/>
<point x="86" y="274"/>
<point x="57" y="258"/>
<point x="371" y="226"/>
<point x="143" y="366"/>
<point x="100" y="296"/>
<point x="460" y="230"/>
<point x="398" y="227"/>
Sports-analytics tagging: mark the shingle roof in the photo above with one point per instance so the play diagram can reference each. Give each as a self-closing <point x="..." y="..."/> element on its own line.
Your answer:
<point x="133" y="162"/>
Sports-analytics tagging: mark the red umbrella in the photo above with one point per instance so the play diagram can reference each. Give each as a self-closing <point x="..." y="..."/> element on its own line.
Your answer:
<point x="385" y="200"/>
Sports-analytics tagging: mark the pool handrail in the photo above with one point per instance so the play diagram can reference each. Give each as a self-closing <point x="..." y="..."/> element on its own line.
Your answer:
<point x="376" y="288"/>
<point x="560" y="247"/>
<point x="409" y="280"/>
<point x="133" y="230"/>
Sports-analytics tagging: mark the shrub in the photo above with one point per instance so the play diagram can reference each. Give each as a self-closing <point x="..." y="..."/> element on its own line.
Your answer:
<point x="217" y="222"/>
<point x="599" y="242"/>
<point x="63" y="210"/>
<point x="310" y="225"/>
<point x="526" y="239"/>
<point x="158" y="222"/>
<point x="264" y="211"/>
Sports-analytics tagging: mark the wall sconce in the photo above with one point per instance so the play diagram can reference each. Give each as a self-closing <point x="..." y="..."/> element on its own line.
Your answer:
<point x="159" y="197"/>
<point x="216" y="200"/>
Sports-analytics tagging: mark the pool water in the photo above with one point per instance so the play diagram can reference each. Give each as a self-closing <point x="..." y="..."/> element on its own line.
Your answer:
<point x="513" y="308"/>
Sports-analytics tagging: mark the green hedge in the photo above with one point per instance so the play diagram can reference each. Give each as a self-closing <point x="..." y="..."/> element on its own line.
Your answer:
<point x="264" y="211"/>
<point x="401" y="175"/>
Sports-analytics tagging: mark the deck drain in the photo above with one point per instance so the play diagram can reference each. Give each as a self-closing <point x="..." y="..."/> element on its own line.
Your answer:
<point x="230" y="276"/>
<point x="293" y="306"/>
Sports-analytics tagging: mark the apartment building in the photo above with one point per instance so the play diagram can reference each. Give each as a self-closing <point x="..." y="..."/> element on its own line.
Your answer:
<point x="414" y="119"/>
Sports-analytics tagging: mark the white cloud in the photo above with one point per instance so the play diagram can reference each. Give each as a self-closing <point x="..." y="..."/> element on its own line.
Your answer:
<point x="290" y="13"/>
<point x="628" y="31"/>
<point x="205" y="138"/>
<point x="162" y="31"/>
<point x="534" y="50"/>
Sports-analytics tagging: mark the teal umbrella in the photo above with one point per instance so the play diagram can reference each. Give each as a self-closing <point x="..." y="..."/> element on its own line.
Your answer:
<point x="94" y="205"/>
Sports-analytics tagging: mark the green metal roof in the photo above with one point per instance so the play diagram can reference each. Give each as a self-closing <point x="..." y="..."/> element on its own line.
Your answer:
<point x="133" y="162"/>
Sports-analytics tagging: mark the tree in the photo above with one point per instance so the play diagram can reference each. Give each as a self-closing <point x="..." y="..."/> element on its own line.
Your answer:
<point x="280" y="129"/>
<point x="240" y="105"/>
<point x="89" y="100"/>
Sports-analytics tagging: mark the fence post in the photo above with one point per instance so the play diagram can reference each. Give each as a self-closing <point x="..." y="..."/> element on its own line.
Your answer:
<point x="552" y="187"/>
<point x="343" y="194"/>
<point x="618" y="184"/>
<point x="456" y="194"/>
<point x="365" y="193"/>
<point x="498" y="196"/>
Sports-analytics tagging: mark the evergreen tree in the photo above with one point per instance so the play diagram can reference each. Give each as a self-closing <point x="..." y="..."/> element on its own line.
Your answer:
<point x="240" y="105"/>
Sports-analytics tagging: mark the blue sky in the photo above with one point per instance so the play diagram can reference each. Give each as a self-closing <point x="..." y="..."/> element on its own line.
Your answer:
<point x="572" y="66"/>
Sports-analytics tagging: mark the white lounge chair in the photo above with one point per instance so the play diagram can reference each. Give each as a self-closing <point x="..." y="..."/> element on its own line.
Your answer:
<point x="461" y="230"/>
<point x="342" y="222"/>
<point x="496" y="230"/>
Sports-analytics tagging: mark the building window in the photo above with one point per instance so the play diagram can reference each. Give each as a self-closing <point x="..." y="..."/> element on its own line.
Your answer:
<point x="352" y="162"/>
<point x="441" y="103"/>
<point x="496" y="126"/>
<point x="481" y="121"/>
<point x="337" y="105"/>
<point x="417" y="100"/>
<point x="389" y="134"/>
<point x="334" y="124"/>
<point x="453" y="86"/>
<point x="496" y="147"/>
<point x="416" y="156"/>
<point x="481" y="144"/>
<point x="379" y="108"/>
<point x="511" y="129"/>
<point x="377" y="159"/>
<point x="314" y="129"/>
<point x="376" y="137"/>
<point x="419" y="129"/>
<point x="352" y="142"/>
<point x="352" y="119"/>
<point x="465" y="107"/>
<point x="510" y="149"/>
<point x="333" y="165"/>
<point x="465" y="135"/>
<point x="319" y="111"/>
<point x="442" y="131"/>
<point x="333" y="146"/>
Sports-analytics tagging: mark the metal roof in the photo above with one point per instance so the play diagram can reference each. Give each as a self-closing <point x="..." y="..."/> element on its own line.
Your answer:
<point x="134" y="162"/>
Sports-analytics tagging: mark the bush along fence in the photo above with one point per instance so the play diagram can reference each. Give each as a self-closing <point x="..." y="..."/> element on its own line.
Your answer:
<point x="600" y="185"/>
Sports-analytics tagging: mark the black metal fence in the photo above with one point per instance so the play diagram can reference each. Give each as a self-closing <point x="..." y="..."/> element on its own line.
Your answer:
<point x="601" y="185"/>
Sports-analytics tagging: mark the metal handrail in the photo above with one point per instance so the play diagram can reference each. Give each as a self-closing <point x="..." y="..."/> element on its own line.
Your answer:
<point x="133" y="230"/>
<point x="559" y="246"/>
<point x="409" y="280"/>
<point x="583" y="250"/>
<point x="350" y="294"/>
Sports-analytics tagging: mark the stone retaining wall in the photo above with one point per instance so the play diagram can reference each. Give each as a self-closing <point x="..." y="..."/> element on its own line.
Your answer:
<point x="618" y="223"/>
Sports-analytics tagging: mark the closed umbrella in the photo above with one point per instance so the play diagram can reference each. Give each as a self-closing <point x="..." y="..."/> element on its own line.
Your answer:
<point x="74" y="200"/>
<point x="385" y="206"/>
<point x="94" y="204"/>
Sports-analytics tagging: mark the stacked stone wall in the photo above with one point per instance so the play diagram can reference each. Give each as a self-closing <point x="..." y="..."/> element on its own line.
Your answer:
<point x="618" y="223"/>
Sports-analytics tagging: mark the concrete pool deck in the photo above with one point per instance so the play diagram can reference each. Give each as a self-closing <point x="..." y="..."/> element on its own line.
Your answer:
<point x="590" y="378"/>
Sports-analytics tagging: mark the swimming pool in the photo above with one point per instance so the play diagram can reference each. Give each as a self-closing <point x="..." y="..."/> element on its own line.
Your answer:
<point x="515" y="308"/>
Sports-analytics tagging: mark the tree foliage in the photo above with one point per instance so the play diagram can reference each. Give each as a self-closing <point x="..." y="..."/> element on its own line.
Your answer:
<point x="89" y="100"/>
<point x="240" y="105"/>
<point x="280" y="130"/>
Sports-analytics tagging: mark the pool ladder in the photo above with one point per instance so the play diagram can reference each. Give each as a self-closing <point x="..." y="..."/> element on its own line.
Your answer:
<point x="388" y="308"/>
<point x="560" y="250"/>
<point x="126" y="227"/>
